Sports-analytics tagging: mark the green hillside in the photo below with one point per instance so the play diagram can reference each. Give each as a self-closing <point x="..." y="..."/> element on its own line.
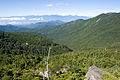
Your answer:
<point x="21" y="43"/>
<point x="76" y="64"/>
<point x="98" y="32"/>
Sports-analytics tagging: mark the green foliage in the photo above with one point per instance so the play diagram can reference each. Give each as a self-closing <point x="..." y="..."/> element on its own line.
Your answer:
<point x="21" y="43"/>
<point x="71" y="66"/>
<point x="21" y="55"/>
<point x="107" y="77"/>
<point x="77" y="63"/>
<point x="21" y="66"/>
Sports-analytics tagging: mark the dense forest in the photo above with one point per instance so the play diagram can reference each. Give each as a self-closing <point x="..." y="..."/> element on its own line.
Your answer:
<point x="68" y="66"/>
<point x="22" y="43"/>
<point x="76" y="64"/>
<point x="21" y="52"/>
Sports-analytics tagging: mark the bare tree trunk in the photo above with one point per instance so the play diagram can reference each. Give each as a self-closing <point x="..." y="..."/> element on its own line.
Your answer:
<point x="48" y="62"/>
<point x="43" y="75"/>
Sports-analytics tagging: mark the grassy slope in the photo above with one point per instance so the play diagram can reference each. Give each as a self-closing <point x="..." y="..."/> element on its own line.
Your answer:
<point x="89" y="33"/>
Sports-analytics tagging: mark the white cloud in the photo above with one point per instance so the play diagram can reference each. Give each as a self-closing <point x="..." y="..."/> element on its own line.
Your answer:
<point x="36" y="19"/>
<point x="14" y="18"/>
<point x="49" y="5"/>
<point x="57" y="4"/>
<point x="18" y="23"/>
<point x="15" y="23"/>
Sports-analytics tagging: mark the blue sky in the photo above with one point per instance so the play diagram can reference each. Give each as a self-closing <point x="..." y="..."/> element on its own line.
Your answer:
<point x="62" y="7"/>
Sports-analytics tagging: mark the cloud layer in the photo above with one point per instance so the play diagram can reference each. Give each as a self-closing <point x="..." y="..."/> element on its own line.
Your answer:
<point x="36" y="19"/>
<point x="14" y="18"/>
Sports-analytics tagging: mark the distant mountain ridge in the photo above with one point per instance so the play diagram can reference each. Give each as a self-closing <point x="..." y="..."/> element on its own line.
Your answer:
<point x="23" y="28"/>
<point x="44" y="24"/>
<point x="19" y="20"/>
<point x="9" y="28"/>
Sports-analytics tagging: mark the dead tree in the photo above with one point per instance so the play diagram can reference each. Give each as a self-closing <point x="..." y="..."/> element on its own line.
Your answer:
<point x="48" y="63"/>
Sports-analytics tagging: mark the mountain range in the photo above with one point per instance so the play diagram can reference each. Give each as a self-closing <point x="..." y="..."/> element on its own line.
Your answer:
<point x="9" y="28"/>
<point x="20" y="20"/>
<point x="29" y="27"/>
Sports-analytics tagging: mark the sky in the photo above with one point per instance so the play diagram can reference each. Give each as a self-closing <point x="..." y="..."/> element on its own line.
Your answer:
<point x="60" y="7"/>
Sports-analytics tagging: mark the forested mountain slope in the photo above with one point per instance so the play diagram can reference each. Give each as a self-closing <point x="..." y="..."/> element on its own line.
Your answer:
<point x="21" y="54"/>
<point x="22" y="43"/>
<point x="98" y="32"/>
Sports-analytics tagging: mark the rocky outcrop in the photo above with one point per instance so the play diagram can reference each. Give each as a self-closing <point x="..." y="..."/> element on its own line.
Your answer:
<point x="45" y="74"/>
<point x="61" y="72"/>
<point x="95" y="73"/>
